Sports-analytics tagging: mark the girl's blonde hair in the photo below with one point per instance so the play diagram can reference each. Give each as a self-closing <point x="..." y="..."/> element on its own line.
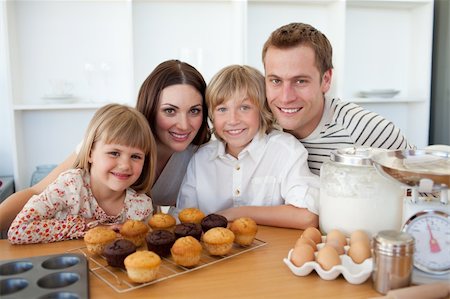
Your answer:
<point x="115" y="123"/>
<point x="235" y="79"/>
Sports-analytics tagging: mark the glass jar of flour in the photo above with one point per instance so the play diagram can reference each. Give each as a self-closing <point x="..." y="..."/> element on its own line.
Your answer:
<point x="353" y="195"/>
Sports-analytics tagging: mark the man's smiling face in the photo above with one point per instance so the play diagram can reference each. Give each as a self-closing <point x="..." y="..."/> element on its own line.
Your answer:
<point x="295" y="88"/>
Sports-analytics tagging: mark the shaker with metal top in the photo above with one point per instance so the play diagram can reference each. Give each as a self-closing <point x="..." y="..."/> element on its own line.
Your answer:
<point x="393" y="260"/>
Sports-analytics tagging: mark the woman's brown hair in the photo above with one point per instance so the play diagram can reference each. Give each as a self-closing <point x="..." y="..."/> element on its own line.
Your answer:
<point x="172" y="72"/>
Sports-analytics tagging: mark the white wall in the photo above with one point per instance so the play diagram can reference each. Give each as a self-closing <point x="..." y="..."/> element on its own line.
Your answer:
<point x="6" y="155"/>
<point x="6" y="152"/>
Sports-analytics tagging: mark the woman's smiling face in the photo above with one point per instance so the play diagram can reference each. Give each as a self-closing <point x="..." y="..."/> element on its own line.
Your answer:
<point x="179" y="116"/>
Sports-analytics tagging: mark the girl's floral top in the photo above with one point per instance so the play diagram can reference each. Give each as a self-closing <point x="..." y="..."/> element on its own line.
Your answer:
<point x="59" y="212"/>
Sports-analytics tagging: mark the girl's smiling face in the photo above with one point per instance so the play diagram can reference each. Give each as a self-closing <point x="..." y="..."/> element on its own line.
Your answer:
<point x="236" y="121"/>
<point x="179" y="117"/>
<point x="115" y="167"/>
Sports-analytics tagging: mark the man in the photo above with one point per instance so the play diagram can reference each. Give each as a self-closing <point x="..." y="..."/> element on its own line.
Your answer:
<point x="298" y="67"/>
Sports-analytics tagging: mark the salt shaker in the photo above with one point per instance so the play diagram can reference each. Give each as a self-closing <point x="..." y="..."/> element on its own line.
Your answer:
<point x="393" y="260"/>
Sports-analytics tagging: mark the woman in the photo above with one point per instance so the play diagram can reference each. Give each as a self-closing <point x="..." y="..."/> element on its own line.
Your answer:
<point x="172" y="98"/>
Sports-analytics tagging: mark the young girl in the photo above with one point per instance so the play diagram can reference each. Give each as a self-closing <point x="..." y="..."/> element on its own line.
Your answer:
<point x="112" y="172"/>
<point x="172" y="98"/>
<point x="251" y="170"/>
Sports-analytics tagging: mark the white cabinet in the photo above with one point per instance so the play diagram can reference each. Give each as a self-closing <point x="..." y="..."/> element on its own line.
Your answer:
<point x="101" y="51"/>
<point x="65" y="58"/>
<point x="388" y="45"/>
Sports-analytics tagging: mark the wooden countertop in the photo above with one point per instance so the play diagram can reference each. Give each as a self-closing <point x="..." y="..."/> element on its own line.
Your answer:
<point x="259" y="273"/>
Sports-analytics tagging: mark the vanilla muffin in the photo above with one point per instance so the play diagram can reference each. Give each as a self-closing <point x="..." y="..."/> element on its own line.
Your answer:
<point x="135" y="231"/>
<point x="218" y="240"/>
<point x="191" y="215"/>
<point x="162" y="221"/>
<point x="142" y="266"/>
<point x="244" y="230"/>
<point x="96" y="239"/>
<point x="186" y="251"/>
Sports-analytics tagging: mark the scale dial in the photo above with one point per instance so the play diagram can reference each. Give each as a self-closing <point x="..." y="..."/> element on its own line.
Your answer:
<point x="431" y="231"/>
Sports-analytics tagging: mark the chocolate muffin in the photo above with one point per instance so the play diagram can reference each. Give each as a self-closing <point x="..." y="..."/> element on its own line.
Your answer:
<point x="160" y="241"/>
<point x="188" y="229"/>
<point x="116" y="251"/>
<point x="213" y="220"/>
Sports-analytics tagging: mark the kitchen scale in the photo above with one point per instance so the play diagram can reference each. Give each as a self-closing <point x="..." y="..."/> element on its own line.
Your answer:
<point x="425" y="174"/>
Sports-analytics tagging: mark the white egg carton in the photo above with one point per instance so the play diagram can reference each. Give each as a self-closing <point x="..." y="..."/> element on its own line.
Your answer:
<point x="352" y="272"/>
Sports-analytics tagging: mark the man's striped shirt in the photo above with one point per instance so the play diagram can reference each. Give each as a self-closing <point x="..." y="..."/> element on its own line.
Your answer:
<point x="345" y="125"/>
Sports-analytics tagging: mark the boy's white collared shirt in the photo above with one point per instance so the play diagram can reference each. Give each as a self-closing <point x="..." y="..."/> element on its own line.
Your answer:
<point x="271" y="170"/>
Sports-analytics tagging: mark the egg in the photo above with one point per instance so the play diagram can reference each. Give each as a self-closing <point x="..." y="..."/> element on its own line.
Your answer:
<point x="313" y="233"/>
<point x="327" y="257"/>
<point x="359" y="235"/>
<point x="335" y="244"/>
<point x="306" y="240"/>
<point x="338" y="236"/>
<point x="301" y="254"/>
<point x="359" y="251"/>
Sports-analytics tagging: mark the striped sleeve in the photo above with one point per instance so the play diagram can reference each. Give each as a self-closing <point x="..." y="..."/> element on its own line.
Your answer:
<point x="367" y="128"/>
<point x="351" y="125"/>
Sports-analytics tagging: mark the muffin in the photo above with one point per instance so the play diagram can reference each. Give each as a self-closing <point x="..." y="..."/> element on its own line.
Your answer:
<point x="213" y="220"/>
<point x="218" y="240"/>
<point x="191" y="215"/>
<point x="244" y="230"/>
<point x="162" y="221"/>
<point x="188" y="229"/>
<point x="142" y="266"/>
<point x="116" y="251"/>
<point x="96" y="239"/>
<point x="160" y="241"/>
<point x="135" y="231"/>
<point x="186" y="251"/>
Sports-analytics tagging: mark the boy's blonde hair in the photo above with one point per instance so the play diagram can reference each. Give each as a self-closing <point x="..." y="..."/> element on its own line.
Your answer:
<point x="115" y="123"/>
<point x="233" y="80"/>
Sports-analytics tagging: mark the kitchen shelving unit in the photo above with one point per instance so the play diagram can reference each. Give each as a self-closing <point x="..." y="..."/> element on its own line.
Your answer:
<point x="103" y="50"/>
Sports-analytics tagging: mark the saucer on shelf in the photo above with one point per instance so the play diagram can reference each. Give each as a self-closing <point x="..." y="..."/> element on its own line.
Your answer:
<point x="379" y="93"/>
<point x="59" y="98"/>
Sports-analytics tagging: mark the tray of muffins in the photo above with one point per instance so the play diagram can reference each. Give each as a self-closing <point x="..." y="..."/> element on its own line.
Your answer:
<point x="140" y="254"/>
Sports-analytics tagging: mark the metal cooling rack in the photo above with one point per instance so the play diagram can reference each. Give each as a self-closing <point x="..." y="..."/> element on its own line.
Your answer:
<point x="118" y="279"/>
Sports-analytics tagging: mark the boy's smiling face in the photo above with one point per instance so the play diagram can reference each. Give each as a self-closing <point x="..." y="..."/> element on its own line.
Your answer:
<point x="236" y="121"/>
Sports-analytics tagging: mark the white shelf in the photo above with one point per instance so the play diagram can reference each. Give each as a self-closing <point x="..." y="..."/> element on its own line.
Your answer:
<point x="390" y="4"/>
<point x="394" y="100"/>
<point x="105" y="49"/>
<point x="68" y="106"/>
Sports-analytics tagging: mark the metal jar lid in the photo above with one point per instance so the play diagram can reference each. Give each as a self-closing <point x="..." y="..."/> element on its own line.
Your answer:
<point x="394" y="243"/>
<point x="357" y="156"/>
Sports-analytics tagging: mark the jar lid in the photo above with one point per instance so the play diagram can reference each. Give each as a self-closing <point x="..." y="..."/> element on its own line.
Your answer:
<point x="394" y="242"/>
<point x="352" y="156"/>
